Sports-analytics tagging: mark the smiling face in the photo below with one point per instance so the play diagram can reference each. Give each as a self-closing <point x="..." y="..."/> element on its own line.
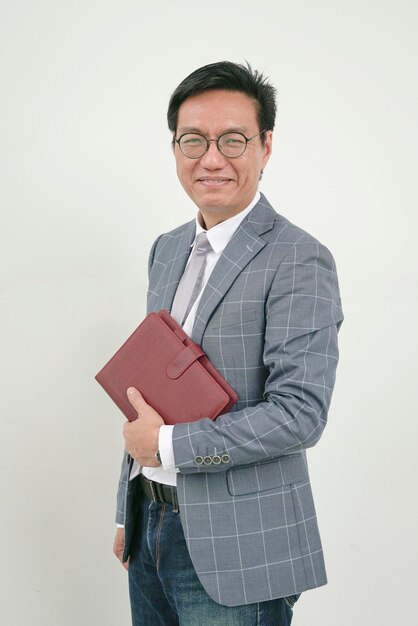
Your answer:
<point x="220" y="186"/>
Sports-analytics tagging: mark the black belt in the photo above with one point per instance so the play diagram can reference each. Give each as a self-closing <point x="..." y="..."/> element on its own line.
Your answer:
<point x="157" y="492"/>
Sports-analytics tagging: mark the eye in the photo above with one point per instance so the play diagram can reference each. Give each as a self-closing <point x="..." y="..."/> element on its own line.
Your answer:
<point x="192" y="140"/>
<point x="233" y="141"/>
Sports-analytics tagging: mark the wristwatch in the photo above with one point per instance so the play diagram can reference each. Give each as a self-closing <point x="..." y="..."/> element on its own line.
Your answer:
<point x="158" y="457"/>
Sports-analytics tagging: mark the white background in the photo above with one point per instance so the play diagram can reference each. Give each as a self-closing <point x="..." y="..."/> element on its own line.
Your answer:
<point x="87" y="181"/>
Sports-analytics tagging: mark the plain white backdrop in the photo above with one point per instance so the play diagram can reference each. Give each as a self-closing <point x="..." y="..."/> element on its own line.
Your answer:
<point x="87" y="181"/>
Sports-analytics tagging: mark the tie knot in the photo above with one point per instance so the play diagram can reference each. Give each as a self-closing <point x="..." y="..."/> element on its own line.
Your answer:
<point x="202" y="244"/>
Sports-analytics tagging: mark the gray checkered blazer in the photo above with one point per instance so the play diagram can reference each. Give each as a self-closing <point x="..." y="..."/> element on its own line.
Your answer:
<point x="268" y="321"/>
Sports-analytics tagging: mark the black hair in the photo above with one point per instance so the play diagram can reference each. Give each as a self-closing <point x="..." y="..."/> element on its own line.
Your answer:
<point x="229" y="77"/>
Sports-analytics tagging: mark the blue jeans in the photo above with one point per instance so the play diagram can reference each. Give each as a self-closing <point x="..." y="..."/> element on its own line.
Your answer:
<point x="163" y="586"/>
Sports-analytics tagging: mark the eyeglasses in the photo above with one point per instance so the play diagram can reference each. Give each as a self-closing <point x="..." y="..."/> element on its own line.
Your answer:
<point x="231" y="145"/>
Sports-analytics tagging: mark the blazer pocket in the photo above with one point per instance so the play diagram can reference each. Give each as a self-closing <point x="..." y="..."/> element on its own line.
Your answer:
<point x="267" y="475"/>
<point x="237" y="317"/>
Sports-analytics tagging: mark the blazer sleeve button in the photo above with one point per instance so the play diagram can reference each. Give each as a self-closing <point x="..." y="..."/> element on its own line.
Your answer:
<point x="225" y="458"/>
<point x="198" y="460"/>
<point x="216" y="459"/>
<point x="207" y="460"/>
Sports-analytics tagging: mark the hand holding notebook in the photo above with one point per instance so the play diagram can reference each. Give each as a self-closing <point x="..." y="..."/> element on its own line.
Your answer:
<point x="170" y="370"/>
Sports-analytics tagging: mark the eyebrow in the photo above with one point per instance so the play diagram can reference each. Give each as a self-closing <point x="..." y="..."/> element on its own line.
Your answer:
<point x="194" y="129"/>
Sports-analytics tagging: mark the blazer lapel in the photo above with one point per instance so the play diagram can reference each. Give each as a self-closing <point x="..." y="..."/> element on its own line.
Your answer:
<point x="245" y="244"/>
<point x="178" y="253"/>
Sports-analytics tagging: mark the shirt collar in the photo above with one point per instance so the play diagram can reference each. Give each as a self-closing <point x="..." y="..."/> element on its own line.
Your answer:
<point x="221" y="234"/>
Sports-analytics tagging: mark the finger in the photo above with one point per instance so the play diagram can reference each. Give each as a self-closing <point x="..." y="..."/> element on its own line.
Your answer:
<point x="136" y="399"/>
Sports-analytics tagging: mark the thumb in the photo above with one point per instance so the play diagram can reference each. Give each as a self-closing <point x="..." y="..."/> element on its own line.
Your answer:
<point x="136" y="399"/>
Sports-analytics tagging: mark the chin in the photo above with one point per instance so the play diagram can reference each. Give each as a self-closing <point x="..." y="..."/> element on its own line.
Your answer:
<point x="212" y="201"/>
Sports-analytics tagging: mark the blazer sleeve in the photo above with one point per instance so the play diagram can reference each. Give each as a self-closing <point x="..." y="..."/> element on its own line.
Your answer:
<point x="302" y="317"/>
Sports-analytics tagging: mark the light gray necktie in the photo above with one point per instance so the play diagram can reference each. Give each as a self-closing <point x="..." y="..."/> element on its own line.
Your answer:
<point x="191" y="281"/>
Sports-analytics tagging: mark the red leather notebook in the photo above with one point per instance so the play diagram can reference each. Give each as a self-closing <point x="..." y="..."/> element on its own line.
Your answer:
<point x="170" y="370"/>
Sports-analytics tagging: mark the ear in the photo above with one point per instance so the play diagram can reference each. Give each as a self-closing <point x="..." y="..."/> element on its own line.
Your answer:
<point x="267" y="148"/>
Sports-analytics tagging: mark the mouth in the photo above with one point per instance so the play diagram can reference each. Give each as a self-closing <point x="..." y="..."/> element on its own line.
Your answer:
<point x="213" y="182"/>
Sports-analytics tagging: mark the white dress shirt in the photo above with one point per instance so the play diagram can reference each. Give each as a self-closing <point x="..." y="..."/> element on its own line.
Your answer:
<point x="218" y="236"/>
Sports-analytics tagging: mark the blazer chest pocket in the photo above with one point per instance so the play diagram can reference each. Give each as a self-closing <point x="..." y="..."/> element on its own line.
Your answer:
<point x="234" y="317"/>
<point x="267" y="475"/>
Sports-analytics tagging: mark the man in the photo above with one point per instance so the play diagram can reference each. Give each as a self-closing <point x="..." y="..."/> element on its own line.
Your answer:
<point x="232" y="537"/>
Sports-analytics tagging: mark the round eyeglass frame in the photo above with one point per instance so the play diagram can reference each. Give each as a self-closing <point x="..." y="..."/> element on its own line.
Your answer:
<point x="208" y="141"/>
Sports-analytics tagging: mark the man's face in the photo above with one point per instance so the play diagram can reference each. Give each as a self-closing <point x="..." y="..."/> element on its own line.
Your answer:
<point x="220" y="186"/>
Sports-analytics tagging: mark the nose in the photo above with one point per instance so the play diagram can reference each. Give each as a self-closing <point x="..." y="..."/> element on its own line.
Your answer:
<point x="213" y="157"/>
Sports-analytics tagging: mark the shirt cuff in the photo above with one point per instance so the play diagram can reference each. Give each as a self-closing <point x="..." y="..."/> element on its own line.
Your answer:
<point x="165" y="447"/>
<point x="120" y="526"/>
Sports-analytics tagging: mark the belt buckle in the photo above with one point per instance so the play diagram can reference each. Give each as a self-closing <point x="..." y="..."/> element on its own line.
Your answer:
<point x="156" y="491"/>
